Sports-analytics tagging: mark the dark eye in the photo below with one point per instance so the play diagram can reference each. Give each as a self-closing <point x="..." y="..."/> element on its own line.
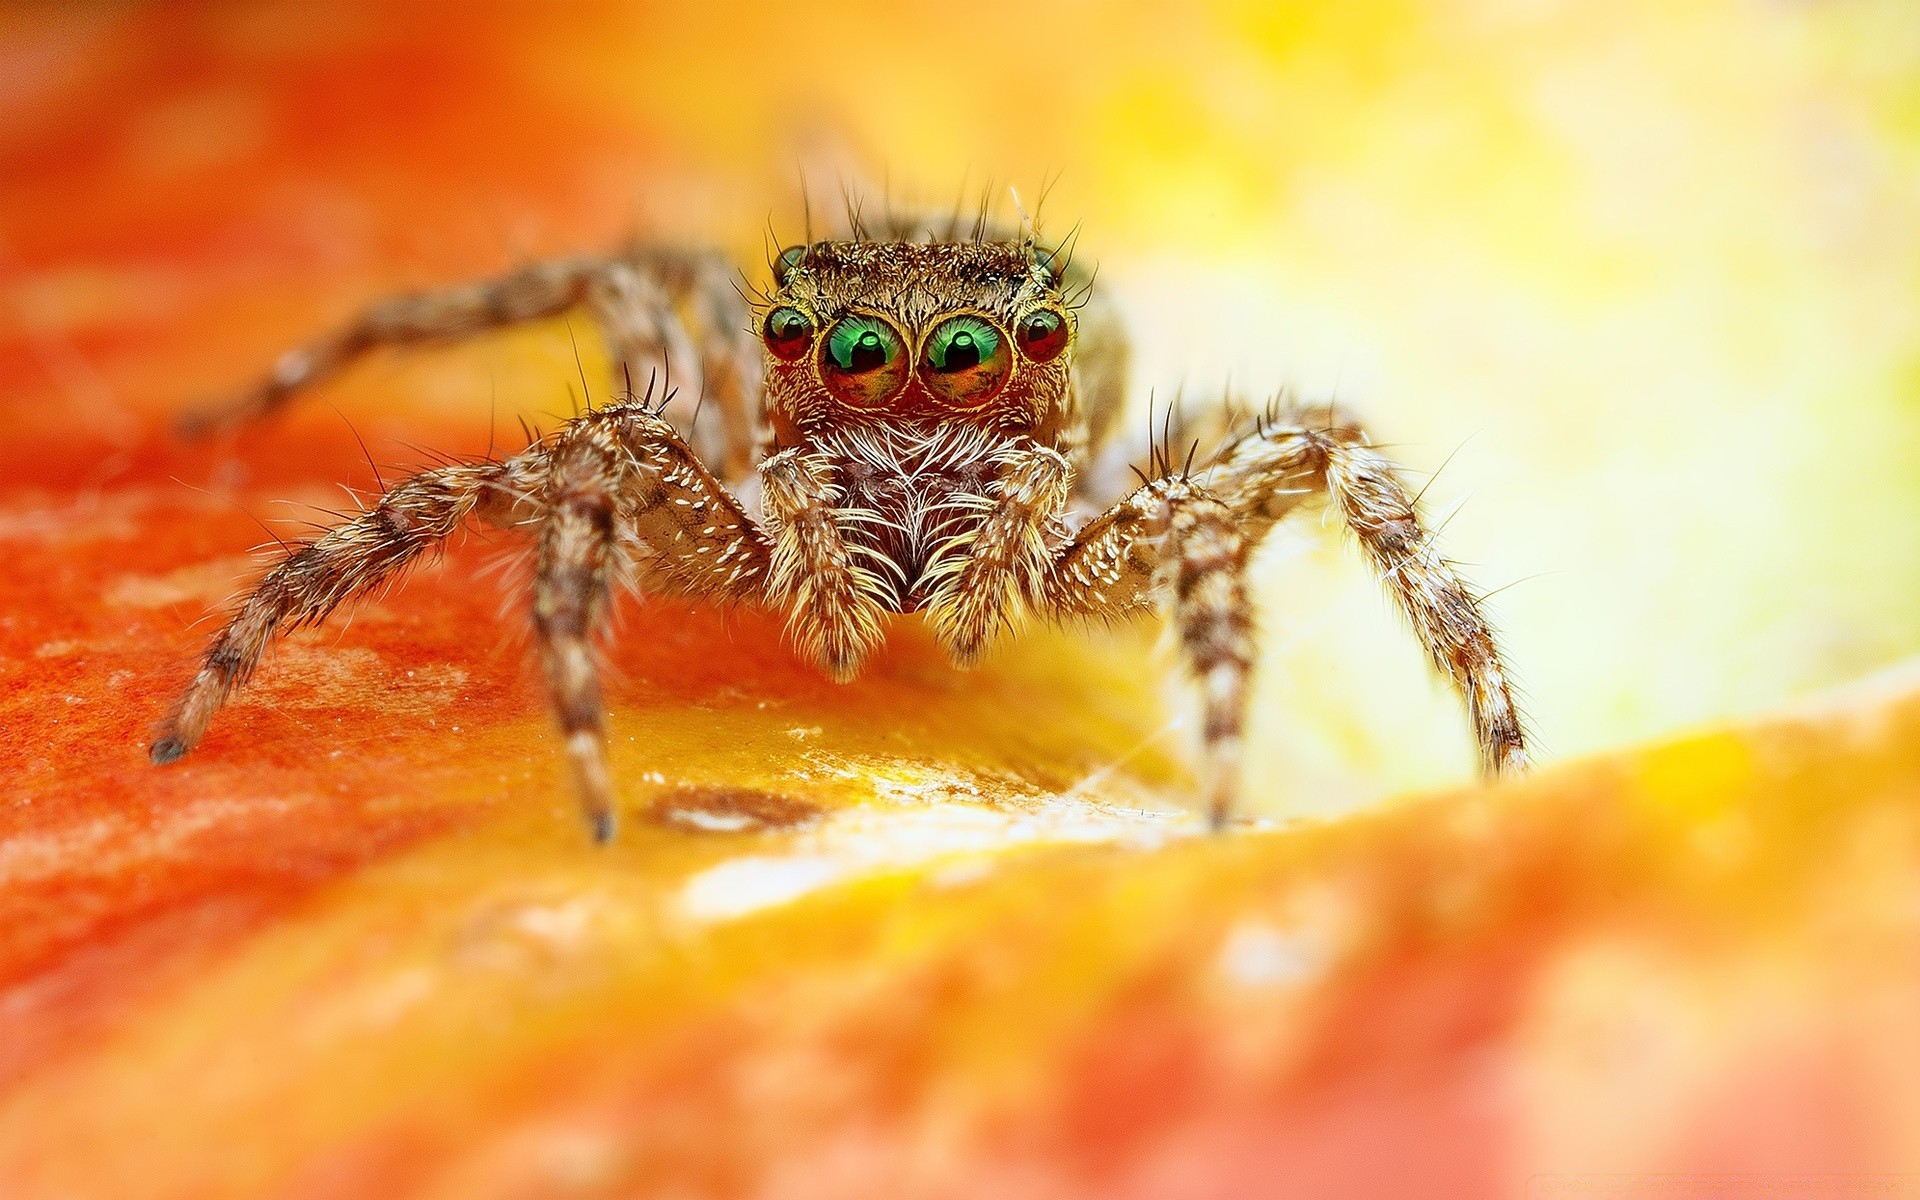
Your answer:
<point x="1047" y="259"/>
<point x="966" y="361"/>
<point x="862" y="360"/>
<point x="788" y="260"/>
<point x="787" y="333"/>
<point x="1042" y="334"/>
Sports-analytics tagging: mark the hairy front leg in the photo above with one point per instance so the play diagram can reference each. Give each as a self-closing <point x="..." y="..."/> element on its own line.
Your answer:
<point x="836" y="605"/>
<point x="571" y="583"/>
<point x="624" y="466"/>
<point x="1298" y="454"/>
<point x="979" y="577"/>
<point x="1172" y="538"/>
<point x="412" y="518"/>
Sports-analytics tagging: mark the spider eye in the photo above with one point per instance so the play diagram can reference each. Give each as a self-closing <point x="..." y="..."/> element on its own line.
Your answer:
<point x="1047" y="260"/>
<point x="787" y="333"/>
<point x="862" y="360"/>
<point x="1042" y="334"/>
<point x="788" y="260"/>
<point x="966" y="361"/>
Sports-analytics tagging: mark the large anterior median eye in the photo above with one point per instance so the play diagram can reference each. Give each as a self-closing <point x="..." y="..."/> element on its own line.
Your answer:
<point x="862" y="360"/>
<point x="966" y="361"/>
<point x="1042" y="334"/>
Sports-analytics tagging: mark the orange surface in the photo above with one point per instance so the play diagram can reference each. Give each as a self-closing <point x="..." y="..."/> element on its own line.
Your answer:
<point x="930" y="934"/>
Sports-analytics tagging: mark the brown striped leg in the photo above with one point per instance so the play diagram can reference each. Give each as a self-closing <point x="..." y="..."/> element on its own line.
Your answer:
<point x="624" y="466"/>
<point x="1298" y="454"/>
<point x="678" y="314"/>
<point x="1171" y="537"/>
<point x="571" y="583"/>
<point x="836" y="606"/>
<point x="540" y="290"/>
<point x="1215" y="626"/>
<point x="666" y="315"/>
<point x="412" y="518"/>
<point x="979" y="577"/>
<point x="698" y="539"/>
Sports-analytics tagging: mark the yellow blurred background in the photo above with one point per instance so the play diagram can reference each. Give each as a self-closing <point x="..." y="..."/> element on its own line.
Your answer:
<point x="1643" y="275"/>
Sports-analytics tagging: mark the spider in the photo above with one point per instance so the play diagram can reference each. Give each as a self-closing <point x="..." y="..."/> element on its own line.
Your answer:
<point x="914" y="421"/>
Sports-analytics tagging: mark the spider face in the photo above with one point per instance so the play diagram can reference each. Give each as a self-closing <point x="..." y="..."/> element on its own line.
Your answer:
<point x="861" y="333"/>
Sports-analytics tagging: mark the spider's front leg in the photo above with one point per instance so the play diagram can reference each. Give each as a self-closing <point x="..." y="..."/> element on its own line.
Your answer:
<point x="1171" y="537"/>
<point x="411" y="519"/>
<point x="1292" y="457"/>
<point x="978" y="577"/>
<point x="836" y="605"/>
<point x="1194" y="542"/>
<point x="621" y="467"/>
<point x="624" y="466"/>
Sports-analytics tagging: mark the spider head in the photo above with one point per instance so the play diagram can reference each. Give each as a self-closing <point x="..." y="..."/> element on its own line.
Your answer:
<point x="862" y="332"/>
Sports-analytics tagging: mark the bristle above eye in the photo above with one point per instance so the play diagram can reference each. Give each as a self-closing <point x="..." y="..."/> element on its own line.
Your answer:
<point x="1042" y="257"/>
<point x="784" y="265"/>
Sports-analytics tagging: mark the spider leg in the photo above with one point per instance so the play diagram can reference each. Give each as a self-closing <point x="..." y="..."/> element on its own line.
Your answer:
<point x="1293" y="457"/>
<point x="978" y="577"/>
<point x="539" y="290"/>
<point x="679" y="313"/>
<point x="663" y="312"/>
<point x="412" y="518"/>
<point x="1102" y="360"/>
<point x="619" y="467"/>
<point x="836" y="607"/>
<point x="624" y="465"/>
<point x="1172" y="537"/>
<point x="575" y="562"/>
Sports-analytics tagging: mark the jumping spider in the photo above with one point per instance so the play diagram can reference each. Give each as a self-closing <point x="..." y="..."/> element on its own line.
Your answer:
<point x="916" y="422"/>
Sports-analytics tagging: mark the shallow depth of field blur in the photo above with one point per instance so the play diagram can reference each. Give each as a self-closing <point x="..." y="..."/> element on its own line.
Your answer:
<point x="1631" y="286"/>
<point x="1644" y="276"/>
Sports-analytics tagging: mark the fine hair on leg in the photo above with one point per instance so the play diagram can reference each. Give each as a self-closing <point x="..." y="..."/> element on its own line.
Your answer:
<point x="1292" y="456"/>
<point x="411" y="518"/>
<point x="1170" y="538"/>
<point x="662" y="312"/>
<point x="572" y="570"/>
<point x="540" y="290"/>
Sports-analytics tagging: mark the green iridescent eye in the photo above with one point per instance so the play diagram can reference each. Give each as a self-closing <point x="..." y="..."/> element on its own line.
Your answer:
<point x="1043" y="334"/>
<point x="965" y="361"/>
<point x="862" y="360"/>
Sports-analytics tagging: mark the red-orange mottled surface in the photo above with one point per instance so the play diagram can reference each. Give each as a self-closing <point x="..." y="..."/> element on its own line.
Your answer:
<point x="931" y="934"/>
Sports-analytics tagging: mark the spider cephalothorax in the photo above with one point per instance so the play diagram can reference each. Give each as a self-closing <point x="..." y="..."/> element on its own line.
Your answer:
<point x="927" y="424"/>
<point x="905" y="378"/>
<point x="863" y="334"/>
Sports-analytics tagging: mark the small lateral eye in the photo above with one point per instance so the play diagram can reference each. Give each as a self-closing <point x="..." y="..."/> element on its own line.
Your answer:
<point x="788" y="260"/>
<point x="862" y="360"/>
<point x="1042" y="335"/>
<point x="1044" y="257"/>
<point x="788" y="333"/>
<point x="966" y="360"/>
